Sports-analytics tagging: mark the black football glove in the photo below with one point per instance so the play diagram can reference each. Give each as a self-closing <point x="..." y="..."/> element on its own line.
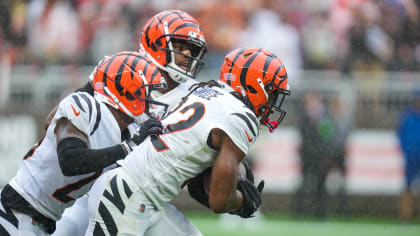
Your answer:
<point x="249" y="174"/>
<point x="151" y="126"/>
<point x="251" y="196"/>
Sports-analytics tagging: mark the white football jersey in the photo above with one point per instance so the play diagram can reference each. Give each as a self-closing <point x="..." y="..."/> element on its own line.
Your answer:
<point x="161" y="166"/>
<point x="174" y="96"/>
<point x="40" y="180"/>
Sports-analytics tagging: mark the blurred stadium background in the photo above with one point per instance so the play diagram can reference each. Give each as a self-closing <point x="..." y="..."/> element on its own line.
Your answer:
<point x="363" y="55"/>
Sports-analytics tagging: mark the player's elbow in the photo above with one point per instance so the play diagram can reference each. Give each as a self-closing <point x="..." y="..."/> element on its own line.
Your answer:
<point x="66" y="165"/>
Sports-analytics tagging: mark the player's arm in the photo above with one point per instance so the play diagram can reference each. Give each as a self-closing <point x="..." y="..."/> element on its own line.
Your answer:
<point x="76" y="158"/>
<point x="224" y="197"/>
<point x="74" y="155"/>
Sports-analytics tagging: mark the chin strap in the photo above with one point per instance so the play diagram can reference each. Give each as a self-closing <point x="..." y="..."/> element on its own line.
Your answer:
<point x="271" y="125"/>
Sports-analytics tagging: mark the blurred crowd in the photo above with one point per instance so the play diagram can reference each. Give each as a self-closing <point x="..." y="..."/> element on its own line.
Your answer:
<point x="340" y="35"/>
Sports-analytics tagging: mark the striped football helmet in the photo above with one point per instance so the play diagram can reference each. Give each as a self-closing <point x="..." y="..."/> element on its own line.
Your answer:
<point x="260" y="77"/>
<point x="162" y="32"/>
<point x="125" y="81"/>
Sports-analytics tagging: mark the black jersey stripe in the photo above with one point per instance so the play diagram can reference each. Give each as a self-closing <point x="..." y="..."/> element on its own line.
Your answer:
<point x="97" y="231"/>
<point x="127" y="189"/>
<point x="3" y="231"/>
<point x="228" y="80"/>
<point x="107" y="219"/>
<point x="253" y="118"/>
<point x="247" y="121"/>
<point x="89" y="102"/>
<point x="115" y="197"/>
<point x="98" y="117"/>
<point x="245" y="68"/>
<point x="78" y="103"/>
<point x="9" y="216"/>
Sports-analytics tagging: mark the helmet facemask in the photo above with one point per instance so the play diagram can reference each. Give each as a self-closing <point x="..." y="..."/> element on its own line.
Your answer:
<point x="196" y="46"/>
<point x="194" y="62"/>
<point x="272" y="113"/>
<point x="153" y="108"/>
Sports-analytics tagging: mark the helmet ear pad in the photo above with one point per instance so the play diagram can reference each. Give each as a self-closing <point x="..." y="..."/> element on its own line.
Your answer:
<point x="256" y="97"/>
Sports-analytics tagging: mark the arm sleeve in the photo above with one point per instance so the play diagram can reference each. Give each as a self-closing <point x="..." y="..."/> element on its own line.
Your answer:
<point x="75" y="158"/>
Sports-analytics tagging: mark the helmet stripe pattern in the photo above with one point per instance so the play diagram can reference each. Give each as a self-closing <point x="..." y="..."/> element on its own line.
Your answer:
<point x="155" y="72"/>
<point x="233" y="62"/>
<point x="123" y="81"/>
<point x="134" y="65"/>
<point x="118" y="78"/>
<point x="107" y="68"/>
<point x="169" y="28"/>
<point x="186" y="25"/>
<point x="161" y="17"/>
<point x="246" y="67"/>
<point x="260" y="78"/>
<point x="267" y="64"/>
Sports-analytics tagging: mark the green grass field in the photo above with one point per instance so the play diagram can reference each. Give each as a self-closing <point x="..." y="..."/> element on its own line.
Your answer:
<point x="276" y="226"/>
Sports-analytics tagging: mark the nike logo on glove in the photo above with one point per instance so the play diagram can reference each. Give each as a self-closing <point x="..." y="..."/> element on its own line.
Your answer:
<point x="74" y="110"/>
<point x="249" y="138"/>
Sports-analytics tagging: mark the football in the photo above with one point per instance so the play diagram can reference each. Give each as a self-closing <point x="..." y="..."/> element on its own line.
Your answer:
<point x="207" y="176"/>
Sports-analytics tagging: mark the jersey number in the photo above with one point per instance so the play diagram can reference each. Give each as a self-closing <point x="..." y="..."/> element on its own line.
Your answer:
<point x="62" y="194"/>
<point x="199" y="111"/>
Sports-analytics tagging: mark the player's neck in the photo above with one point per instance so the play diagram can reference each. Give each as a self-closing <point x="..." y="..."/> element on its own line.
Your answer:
<point x="171" y="85"/>
<point x="122" y="119"/>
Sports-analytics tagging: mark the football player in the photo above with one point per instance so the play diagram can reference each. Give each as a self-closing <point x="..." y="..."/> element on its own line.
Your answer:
<point x="174" y="41"/>
<point x="213" y="126"/>
<point x="82" y="140"/>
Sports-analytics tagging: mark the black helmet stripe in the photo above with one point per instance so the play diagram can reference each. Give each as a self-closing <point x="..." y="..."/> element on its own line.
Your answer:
<point x="134" y="63"/>
<point x="147" y="32"/>
<point x="161" y="18"/>
<point x="277" y="71"/>
<point x="188" y="24"/>
<point x="106" y="70"/>
<point x="244" y="71"/>
<point x="228" y="79"/>
<point x="155" y="72"/>
<point x="267" y="64"/>
<point x="119" y="73"/>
